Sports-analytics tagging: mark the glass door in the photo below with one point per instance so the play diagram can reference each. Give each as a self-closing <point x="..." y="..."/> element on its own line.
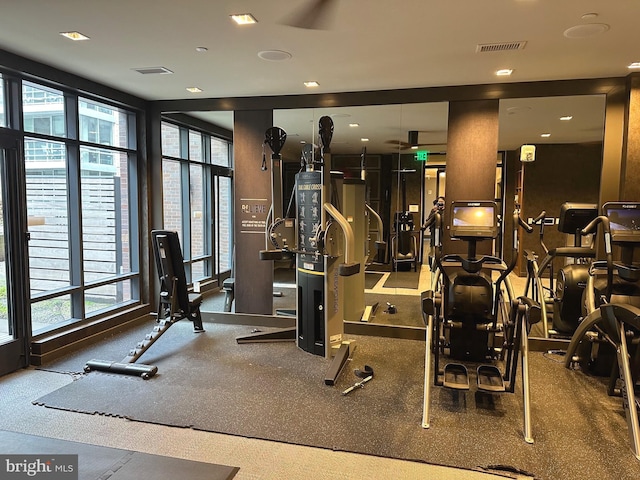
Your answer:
<point x="14" y="329"/>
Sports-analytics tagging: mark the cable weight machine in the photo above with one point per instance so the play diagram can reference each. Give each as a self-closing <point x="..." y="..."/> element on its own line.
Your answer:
<point x="323" y="243"/>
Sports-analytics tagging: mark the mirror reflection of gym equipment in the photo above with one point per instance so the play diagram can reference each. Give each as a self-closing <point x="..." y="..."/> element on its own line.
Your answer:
<point x="405" y="254"/>
<point x="565" y="301"/>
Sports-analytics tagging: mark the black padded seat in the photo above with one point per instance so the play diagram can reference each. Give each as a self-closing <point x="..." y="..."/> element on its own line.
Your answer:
<point x="173" y="281"/>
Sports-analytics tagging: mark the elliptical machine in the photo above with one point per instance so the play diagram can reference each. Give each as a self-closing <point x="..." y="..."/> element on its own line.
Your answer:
<point x="613" y="303"/>
<point x="466" y="309"/>
<point x="565" y="301"/>
<point x="405" y="253"/>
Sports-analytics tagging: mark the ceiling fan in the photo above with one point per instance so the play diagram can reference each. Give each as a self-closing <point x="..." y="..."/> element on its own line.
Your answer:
<point x="314" y="15"/>
<point x="412" y="141"/>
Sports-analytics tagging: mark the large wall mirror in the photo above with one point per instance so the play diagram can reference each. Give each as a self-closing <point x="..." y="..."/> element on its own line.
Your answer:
<point x="568" y="133"/>
<point x="405" y="171"/>
<point x="389" y="146"/>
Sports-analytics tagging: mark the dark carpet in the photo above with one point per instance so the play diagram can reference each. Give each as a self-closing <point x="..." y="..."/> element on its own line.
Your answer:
<point x="403" y="280"/>
<point x="276" y="391"/>
<point x="96" y="463"/>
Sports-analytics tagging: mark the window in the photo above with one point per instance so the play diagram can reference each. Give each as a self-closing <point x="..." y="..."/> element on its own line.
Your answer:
<point x="224" y="231"/>
<point x="105" y="216"/>
<point x="81" y="208"/>
<point x="200" y="247"/>
<point x="102" y="124"/>
<point x="197" y="199"/>
<point x="171" y="192"/>
<point x="47" y="188"/>
<point x="43" y="110"/>
<point x="220" y="152"/>
<point x="195" y="146"/>
<point x="170" y="140"/>
<point x="3" y="110"/>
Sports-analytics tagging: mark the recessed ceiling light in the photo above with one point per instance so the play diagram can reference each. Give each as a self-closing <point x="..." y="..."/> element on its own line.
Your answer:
<point x="545" y="135"/>
<point x="243" y="18"/>
<point x="194" y="89"/>
<point x="364" y="139"/>
<point x="566" y="118"/>
<point x="505" y="72"/>
<point x="202" y="49"/>
<point x="586" y="30"/>
<point x="354" y="124"/>
<point x="517" y="110"/>
<point x="75" y="36"/>
<point x="312" y="83"/>
<point x="274" y="55"/>
<point x="634" y="65"/>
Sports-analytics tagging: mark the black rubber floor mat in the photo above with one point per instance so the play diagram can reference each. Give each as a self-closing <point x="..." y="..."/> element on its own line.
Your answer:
<point x="276" y="392"/>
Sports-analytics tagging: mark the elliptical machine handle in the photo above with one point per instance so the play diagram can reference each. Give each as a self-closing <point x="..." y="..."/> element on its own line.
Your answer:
<point x="591" y="228"/>
<point x="593" y="225"/>
<point x="524" y="224"/>
<point x="541" y="216"/>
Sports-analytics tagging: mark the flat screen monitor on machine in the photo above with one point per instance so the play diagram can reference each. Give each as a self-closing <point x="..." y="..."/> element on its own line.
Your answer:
<point x="474" y="220"/>
<point x="624" y="221"/>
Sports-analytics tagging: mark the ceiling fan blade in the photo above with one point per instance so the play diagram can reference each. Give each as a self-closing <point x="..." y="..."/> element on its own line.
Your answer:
<point x="314" y="16"/>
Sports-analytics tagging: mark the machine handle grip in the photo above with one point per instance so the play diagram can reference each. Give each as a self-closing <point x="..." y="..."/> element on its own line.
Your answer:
<point x="541" y="216"/>
<point x="524" y="224"/>
<point x="593" y="224"/>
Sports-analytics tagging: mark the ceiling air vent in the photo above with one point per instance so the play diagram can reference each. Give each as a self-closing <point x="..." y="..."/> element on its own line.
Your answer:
<point x="500" y="47"/>
<point x="153" y="70"/>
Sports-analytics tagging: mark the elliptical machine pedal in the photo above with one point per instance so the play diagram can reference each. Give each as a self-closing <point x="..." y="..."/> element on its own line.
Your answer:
<point x="456" y="377"/>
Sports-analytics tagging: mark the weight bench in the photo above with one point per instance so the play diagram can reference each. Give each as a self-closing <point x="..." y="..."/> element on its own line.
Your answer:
<point x="174" y="304"/>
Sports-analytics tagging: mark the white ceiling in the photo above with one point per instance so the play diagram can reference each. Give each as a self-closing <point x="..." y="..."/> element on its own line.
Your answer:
<point x="367" y="45"/>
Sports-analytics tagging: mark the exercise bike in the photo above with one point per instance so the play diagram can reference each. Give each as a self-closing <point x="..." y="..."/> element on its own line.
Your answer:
<point x="468" y="312"/>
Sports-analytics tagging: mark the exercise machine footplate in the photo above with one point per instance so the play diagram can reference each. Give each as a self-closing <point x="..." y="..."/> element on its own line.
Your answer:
<point x="456" y="376"/>
<point x="490" y="379"/>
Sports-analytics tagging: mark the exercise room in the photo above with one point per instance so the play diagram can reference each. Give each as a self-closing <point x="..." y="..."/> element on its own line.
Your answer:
<point x="245" y="242"/>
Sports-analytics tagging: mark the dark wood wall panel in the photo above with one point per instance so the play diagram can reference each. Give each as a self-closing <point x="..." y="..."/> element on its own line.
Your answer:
<point x="254" y="278"/>
<point x="472" y="143"/>
<point x="631" y="175"/>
